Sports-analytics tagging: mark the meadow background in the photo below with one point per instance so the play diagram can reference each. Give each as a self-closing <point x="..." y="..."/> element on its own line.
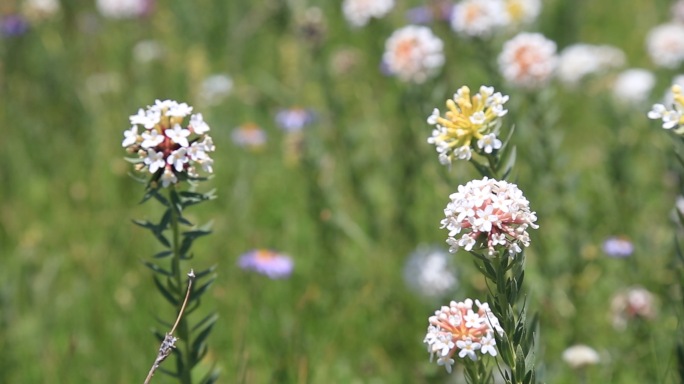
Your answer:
<point x="349" y="201"/>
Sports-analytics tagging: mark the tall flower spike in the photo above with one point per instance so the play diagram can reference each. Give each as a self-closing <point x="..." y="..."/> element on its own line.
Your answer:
<point x="488" y="213"/>
<point x="470" y="124"/>
<point x="457" y="328"/>
<point x="166" y="146"/>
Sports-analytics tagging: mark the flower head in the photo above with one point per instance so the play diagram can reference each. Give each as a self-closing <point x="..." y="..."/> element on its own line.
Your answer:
<point x="579" y="356"/>
<point x="630" y="304"/>
<point x="249" y="135"/>
<point x="633" y="86"/>
<point x="215" y="88"/>
<point x="430" y="272"/>
<point x="359" y="12"/>
<point x="618" y="247"/>
<point x="581" y="60"/>
<point x="413" y="53"/>
<point x="124" y="9"/>
<point x="458" y="328"/>
<point x="166" y="146"/>
<point x="672" y="117"/>
<point x="470" y="124"/>
<point x="13" y="25"/>
<point x="528" y="60"/>
<point x="479" y="18"/>
<point x="266" y="262"/>
<point x="489" y="213"/>
<point x="294" y="119"/>
<point x="665" y="45"/>
<point x="522" y="11"/>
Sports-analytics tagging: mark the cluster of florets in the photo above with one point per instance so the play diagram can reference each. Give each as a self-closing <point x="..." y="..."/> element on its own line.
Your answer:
<point x="528" y="60"/>
<point x="167" y="148"/>
<point x="672" y="117"/>
<point x="413" y="53"/>
<point x="491" y="215"/>
<point x="471" y="123"/>
<point x="457" y="328"/>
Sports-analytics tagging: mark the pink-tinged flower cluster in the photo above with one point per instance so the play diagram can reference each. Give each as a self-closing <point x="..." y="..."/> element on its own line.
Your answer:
<point x="672" y="117"/>
<point x="470" y="123"/>
<point x="528" y="60"/>
<point x="458" y="329"/>
<point x="489" y="214"/>
<point x="665" y="45"/>
<point x="166" y="146"/>
<point x="413" y="53"/>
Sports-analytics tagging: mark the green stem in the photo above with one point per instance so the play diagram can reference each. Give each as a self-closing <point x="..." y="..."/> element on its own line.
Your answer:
<point x="184" y="375"/>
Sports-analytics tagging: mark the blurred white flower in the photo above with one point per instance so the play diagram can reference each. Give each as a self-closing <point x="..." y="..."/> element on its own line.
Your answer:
<point x="249" y="135"/>
<point x="41" y="8"/>
<point x="633" y="86"/>
<point x="215" y="88"/>
<point x="630" y="304"/>
<point x="479" y="18"/>
<point x="413" y="53"/>
<point x="579" y="356"/>
<point x="146" y="51"/>
<point x="580" y="60"/>
<point x="123" y="9"/>
<point x="523" y="11"/>
<point x="359" y="12"/>
<point x="430" y="273"/>
<point x="665" y="45"/>
<point x="528" y="60"/>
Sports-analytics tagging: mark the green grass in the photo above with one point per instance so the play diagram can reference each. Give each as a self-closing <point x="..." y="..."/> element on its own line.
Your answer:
<point x="77" y="305"/>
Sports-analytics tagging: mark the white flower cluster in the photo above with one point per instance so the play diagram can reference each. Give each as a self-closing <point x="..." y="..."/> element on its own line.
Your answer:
<point x="479" y="18"/>
<point x="413" y="53"/>
<point x="483" y="18"/>
<point x="490" y="213"/>
<point x="528" y="60"/>
<point x="458" y="328"/>
<point x="665" y="45"/>
<point x="671" y="117"/>
<point x="580" y="60"/>
<point x="167" y="148"/>
<point x="633" y="86"/>
<point x="359" y="12"/>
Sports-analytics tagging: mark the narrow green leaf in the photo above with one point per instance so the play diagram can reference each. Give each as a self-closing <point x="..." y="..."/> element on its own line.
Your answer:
<point x="163" y="254"/>
<point x="201" y="290"/>
<point x="165" y="221"/>
<point x="201" y="274"/>
<point x="209" y="319"/>
<point x="157" y="268"/>
<point x="165" y="291"/>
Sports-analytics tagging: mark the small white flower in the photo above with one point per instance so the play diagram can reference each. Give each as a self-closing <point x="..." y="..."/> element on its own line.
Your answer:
<point x="122" y="9"/>
<point x="130" y="137"/>
<point x="168" y="178"/>
<point x="151" y="139"/>
<point x="154" y="160"/>
<point x="488" y="143"/>
<point x="178" y="135"/>
<point x="198" y="125"/>
<point x="177" y="159"/>
<point x="145" y="118"/>
<point x="467" y="348"/>
<point x="488" y="345"/>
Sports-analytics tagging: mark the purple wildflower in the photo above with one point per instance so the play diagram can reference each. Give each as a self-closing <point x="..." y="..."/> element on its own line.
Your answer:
<point x="618" y="247"/>
<point x="266" y="262"/>
<point x="13" y="25"/>
<point x="294" y="119"/>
